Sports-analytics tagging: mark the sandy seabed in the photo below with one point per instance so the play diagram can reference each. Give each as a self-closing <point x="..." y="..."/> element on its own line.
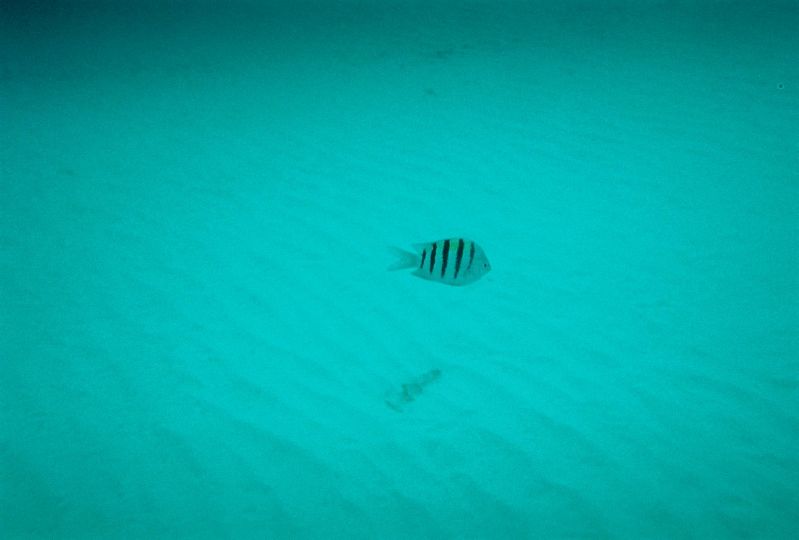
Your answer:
<point x="199" y="337"/>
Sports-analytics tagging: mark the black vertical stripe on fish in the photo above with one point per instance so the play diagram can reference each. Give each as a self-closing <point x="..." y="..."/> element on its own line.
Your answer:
<point x="458" y="258"/>
<point x="433" y="257"/>
<point x="471" y="255"/>
<point x="445" y="257"/>
<point x="424" y="255"/>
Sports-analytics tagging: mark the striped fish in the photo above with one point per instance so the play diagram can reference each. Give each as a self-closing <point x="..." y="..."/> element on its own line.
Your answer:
<point x="454" y="261"/>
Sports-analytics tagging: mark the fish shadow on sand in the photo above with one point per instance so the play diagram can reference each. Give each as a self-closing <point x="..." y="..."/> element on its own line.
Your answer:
<point x="409" y="391"/>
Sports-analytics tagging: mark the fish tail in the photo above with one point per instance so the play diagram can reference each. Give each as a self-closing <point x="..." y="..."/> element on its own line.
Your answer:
<point x="405" y="259"/>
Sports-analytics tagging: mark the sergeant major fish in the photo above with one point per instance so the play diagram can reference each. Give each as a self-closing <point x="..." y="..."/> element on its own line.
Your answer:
<point x="454" y="261"/>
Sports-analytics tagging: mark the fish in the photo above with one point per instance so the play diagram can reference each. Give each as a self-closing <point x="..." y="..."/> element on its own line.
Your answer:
<point x="454" y="261"/>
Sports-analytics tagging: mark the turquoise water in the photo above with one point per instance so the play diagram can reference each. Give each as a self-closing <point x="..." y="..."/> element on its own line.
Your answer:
<point x="199" y="337"/>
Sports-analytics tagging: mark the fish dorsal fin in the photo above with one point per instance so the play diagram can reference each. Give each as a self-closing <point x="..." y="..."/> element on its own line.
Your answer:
<point x="453" y="239"/>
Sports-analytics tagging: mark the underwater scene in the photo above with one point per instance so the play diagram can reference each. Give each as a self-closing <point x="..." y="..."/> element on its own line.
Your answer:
<point x="368" y="269"/>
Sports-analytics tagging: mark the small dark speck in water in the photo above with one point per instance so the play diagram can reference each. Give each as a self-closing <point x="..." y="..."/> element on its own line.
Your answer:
<point x="430" y="92"/>
<point x="780" y="86"/>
